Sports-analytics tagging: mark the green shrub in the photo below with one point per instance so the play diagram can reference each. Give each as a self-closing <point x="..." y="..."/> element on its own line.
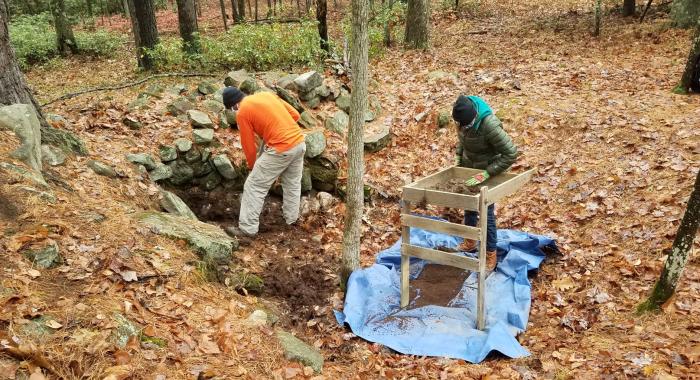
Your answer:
<point x="33" y="39"/>
<point x="100" y="43"/>
<point x="256" y="47"/>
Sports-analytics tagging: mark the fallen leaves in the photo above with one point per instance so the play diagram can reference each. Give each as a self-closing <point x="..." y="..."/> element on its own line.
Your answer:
<point x="564" y="283"/>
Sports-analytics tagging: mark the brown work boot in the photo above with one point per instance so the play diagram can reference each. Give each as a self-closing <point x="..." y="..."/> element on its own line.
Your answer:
<point x="491" y="261"/>
<point x="467" y="245"/>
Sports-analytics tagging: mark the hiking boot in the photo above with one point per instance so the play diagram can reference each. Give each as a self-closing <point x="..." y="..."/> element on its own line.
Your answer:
<point x="243" y="237"/>
<point x="491" y="261"/>
<point x="467" y="245"/>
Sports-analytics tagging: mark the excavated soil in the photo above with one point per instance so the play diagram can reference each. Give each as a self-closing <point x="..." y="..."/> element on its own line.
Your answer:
<point x="437" y="285"/>
<point x="457" y="186"/>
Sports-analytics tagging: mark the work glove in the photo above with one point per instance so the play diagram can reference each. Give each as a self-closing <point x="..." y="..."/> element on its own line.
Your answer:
<point x="458" y="160"/>
<point x="477" y="178"/>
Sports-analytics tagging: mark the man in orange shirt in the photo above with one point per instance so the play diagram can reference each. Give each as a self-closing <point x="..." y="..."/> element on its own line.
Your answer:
<point x="282" y="155"/>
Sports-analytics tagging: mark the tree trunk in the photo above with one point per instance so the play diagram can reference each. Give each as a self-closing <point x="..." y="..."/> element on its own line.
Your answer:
<point x="250" y="9"/>
<point x="691" y="76"/>
<point x="269" y="9"/>
<point x="134" y="25"/>
<point x="89" y="7"/>
<point x="678" y="258"/>
<point x="358" y="104"/>
<point x="241" y="9"/>
<point x="417" y="24"/>
<point x="629" y="8"/>
<point x="234" y="11"/>
<point x="299" y="8"/>
<point x="145" y="15"/>
<point x="125" y="7"/>
<point x="321" y="12"/>
<point x="64" y="32"/>
<point x="256" y="10"/>
<point x="223" y="13"/>
<point x="387" y="26"/>
<point x="13" y="87"/>
<point x="187" y="20"/>
<point x="596" y="18"/>
<point x="685" y="13"/>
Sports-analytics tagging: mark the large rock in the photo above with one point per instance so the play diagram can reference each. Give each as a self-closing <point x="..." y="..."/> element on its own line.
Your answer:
<point x="235" y="78"/>
<point x="52" y="155"/>
<point x="307" y="120"/>
<point x="193" y="155"/>
<point x="308" y="81"/>
<point x="202" y="168"/>
<point x="168" y="153"/>
<point x="142" y="159"/>
<point x="289" y="98"/>
<point x="63" y="140"/>
<point x="203" y="136"/>
<point x="21" y="119"/>
<point x="249" y="86"/>
<point x="180" y="106"/>
<point x="338" y="123"/>
<point x="199" y="119"/>
<point x="230" y="117"/>
<point x="324" y="171"/>
<point x="306" y="184"/>
<point x="182" y="172"/>
<point x="343" y="102"/>
<point x="377" y="140"/>
<point x="287" y="82"/>
<point x="161" y="172"/>
<point x="315" y="143"/>
<point x="210" y="181"/>
<point x="45" y="257"/>
<point x="174" y="205"/>
<point x="297" y="350"/>
<point x="224" y="167"/>
<point x="314" y="103"/>
<point x="183" y="145"/>
<point x="207" y="87"/>
<point x="28" y="174"/>
<point x="209" y="241"/>
<point x="213" y="106"/>
<point x="102" y="169"/>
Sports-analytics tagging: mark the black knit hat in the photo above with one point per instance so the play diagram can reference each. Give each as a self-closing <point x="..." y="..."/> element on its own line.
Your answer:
<point x="232" y="96"/>
<point x="463" y="111"/>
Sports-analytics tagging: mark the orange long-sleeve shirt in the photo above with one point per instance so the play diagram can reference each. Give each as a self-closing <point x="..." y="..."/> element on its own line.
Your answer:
<point x="274" y="120"/>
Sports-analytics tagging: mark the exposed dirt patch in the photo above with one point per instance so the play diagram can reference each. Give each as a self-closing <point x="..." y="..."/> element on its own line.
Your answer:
<point x="437" y="285"/>
<point x="457" y="186"/>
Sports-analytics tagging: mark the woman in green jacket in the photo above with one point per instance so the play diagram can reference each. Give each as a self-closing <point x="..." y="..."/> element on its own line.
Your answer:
<point x="483" y="144"/>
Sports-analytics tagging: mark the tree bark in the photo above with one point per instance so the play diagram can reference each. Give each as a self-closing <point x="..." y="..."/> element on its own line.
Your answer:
<point x="13" y="87"/>
<point x="690" y="81"/>
<point x="269" y="9"/>
<point x="321" y="13"/>
<point x="223" y="13"/>
<point x="241" y="9"/>
<point x="187" y="21"/>
<point x="629" y="8"/>
<point x="148" y="32"/>
<point x="678" y="258"/>
<point x="134" y="25"/>
<point x="358" y="104"/>
<point x="65" y="40"/>
<point x="596" y="18"/>
<point x="685" y="13"/>
<point x="250" y="9"/>
<point x="417" y="24"/>
<point x="234" y="12"/>
<point x="256" y="10"/>
<point x="387" y="26"/>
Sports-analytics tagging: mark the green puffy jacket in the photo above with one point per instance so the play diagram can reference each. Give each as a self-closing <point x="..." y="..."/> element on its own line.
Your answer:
<point x="486" y="146"/>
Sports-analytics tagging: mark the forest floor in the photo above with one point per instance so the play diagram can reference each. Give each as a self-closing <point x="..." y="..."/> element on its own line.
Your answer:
<point x="615" y="153"/>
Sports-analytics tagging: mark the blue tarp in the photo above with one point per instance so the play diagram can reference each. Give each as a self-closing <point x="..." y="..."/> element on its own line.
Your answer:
<point x="373" y="294"/>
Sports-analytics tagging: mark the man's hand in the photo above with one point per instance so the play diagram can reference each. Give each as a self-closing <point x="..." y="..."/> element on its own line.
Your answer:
<point x="477" y="178"/>
<point x="458" y="160"/>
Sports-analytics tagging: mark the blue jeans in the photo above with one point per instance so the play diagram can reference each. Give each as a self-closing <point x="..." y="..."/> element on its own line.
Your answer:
<point x="470" y="219"/>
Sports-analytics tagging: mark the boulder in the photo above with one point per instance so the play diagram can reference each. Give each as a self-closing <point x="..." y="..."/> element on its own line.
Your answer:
<point x="315" y="143"/>
<point x="223" y="120"/>
<point x="161" y="172"/>
<point x="209" y="241"/>
<point x="249" y="86"/>
<point x="287" y="82"/>
<point x="22" y="120"/>
<point x="377" y="140"/>
<point x="183" y="145"/>
<point x="271" y="78"/>
<point x="307" y="120"/>
<point x="167" y="153"/>
<point x="235" y="78"/>
<point x="306" y="184"/>
<point x="180" y="106"/>
<point x="132" y="123"/>
<point x="201" y="169"/>
<point x="177" y="89"/>
<point x="210" y="181"/>
<point x="174" y="205"/>
<point x="203" y="136"/>
<point x="230" y="117"/>
<point x="325" y="200"/>
<point x="64" y="140"/>
<point x="314" y="103"/>
<point x="207" y="87"/>
<point x="256" y="319"/>
<point x="182" y="172"/>
<point x="102" y="169"/>
<point x="324" y="171"/>
<point x="224" y="167"/>
<point x="199" y="119"/>
<point x="289" y="98"/>
<point x="206" y="153"/>
<point x="213" y="106"/>
<point x="308" y="81"/>
<point x="193" y="155"/>
<point x="343" y="102"/>
<point x="338" y="123"/>
<point x="297" y="350"/>
<point x="219" y="96"/>
<point x="45" y="257"/>
<point x="52" y="155"/>
<point x="142" y="159"/>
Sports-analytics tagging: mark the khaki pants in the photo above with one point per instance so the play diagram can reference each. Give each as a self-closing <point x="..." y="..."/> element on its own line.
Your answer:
<point x="288" y="166"/>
